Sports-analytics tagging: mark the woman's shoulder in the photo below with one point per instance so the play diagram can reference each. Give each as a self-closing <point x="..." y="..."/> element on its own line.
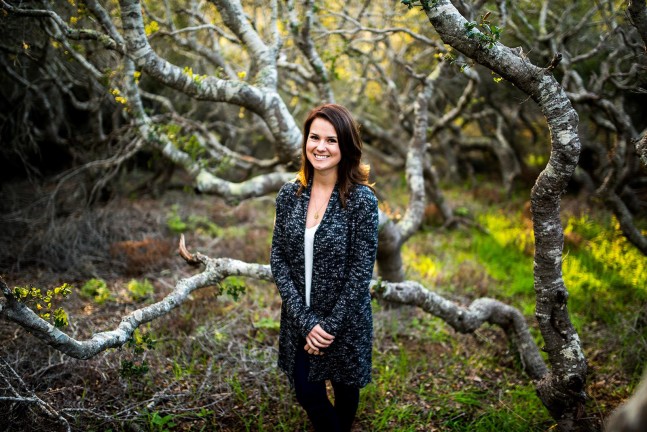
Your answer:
<point x="362" y="195"/>
<point x="289" y="189"/>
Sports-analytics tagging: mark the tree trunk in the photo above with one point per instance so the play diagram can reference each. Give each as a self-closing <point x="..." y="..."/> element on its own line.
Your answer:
<point x="562" y="389"/>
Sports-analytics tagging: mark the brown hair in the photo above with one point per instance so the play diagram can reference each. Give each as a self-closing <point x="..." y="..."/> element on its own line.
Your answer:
<point x="350" y="171"/>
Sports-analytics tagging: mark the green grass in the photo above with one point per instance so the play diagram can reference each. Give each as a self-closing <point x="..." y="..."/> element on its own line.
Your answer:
<point x="216" y="354"/>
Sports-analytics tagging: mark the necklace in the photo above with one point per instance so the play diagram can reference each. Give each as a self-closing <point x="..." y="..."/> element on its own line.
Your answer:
<point x="317" y="209"/>
<point x="316" y="216"/>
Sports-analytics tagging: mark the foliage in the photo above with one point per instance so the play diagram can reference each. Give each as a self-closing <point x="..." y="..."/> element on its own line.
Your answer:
<point x="234" y="286"/>
<point x="134" y="368"/>
<point x="45" y="303"/>
<point x="486" y="34"/>
<point x="602" y="271"/>
<point x="267" y="323"/>
<point x="161" y="423"/>
<point x="424" y="4"/>
<point x="130" y="369"/>
<point x="200" y="225"/>
<point x="600" y="264"/>
<point x="97" y="289"/>
<point x="140" y="290"/>
<point x="140" y="342"/>
<point x="174" y="221"/>
<point x="174" y="132"/>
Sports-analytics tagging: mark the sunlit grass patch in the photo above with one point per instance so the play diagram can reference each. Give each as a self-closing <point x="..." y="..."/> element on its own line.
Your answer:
<point x="602" y="271"/>
<point x="516" y="410"/>
<point x="506" y="254"/>
<point x="605" y="272"/>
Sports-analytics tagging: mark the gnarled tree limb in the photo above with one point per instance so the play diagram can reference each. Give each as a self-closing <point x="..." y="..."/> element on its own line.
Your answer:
<point x="465" y="320"/>
<point x="215" y="271"/>
<point x="468" y="319"/>
<point x="562" y="389"/>
<point x="638" y="11"/>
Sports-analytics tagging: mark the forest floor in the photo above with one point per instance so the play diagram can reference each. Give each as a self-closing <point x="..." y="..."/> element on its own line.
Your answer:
<point x="213" y="364"/>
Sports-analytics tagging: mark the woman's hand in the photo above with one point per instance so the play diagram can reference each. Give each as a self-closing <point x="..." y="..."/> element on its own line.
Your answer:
<point x="317" y="339"/>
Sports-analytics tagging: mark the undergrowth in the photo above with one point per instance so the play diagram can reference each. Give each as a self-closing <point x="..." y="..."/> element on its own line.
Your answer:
<point x="211" y="363"/>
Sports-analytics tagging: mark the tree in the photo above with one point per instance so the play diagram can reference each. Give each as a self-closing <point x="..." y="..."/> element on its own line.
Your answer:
<point x="562" y="389"/>
<point x="188" y="81"/>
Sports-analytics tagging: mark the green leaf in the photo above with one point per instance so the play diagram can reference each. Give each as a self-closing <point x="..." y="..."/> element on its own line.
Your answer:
<point x="60" y="318"/>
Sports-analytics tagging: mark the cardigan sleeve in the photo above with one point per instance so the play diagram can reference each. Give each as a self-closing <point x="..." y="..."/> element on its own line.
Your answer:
<point x="363" y="252"/>
<point x="294" y="304"/>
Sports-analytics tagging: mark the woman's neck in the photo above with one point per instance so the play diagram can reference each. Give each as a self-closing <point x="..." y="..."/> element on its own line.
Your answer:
<point x="324" y="181"/>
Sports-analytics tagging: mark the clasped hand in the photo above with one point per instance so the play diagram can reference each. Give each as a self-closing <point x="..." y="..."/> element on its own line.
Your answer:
<point x="318" y="339"/>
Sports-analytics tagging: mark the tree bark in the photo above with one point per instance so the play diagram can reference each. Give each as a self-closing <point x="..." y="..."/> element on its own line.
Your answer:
<point x="215" y="271"/>
<point x="631" y="416"/>
<point x="469" y="319"/>
<point x="638" y="12"/>
<point x="392" y="235"/>
<point x="641" y="148"/>
<point x="464" y="320"/>
<point x="264" y="101"/>
<point x="562" y="389"/>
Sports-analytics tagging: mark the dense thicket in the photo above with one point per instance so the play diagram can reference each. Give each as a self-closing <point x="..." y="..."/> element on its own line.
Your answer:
<point x="93" y="90"/>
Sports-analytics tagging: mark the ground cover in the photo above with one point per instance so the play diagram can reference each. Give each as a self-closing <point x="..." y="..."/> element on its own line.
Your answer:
<point x="210" y="365"/>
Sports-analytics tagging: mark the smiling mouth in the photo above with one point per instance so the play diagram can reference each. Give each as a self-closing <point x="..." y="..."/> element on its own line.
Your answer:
<point x="321" y="157"/>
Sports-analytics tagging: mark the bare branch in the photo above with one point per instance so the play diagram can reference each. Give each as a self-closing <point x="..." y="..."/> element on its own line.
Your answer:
<point x="215" y="271"/>
<point x="256" y="186"/>
<point x="234" y="17"/>
<point x="631" y="416"/>
<point x="265" y="101"/>
<point x="70" y="33"/>
<point x="641" y="148"/>
<point x="304" y="41"/>
<point x="9" y="376"/>
<point x="562" y="389"/>
<point x="467" y="320"/>
<point x="184" y="252"/>
<point x="638" y="12"/>
<point x="412" y="218"/>
<point x="205" y="181"/>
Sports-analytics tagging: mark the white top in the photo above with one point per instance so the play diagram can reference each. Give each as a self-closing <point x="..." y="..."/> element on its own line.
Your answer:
<point x="309" y="240"/>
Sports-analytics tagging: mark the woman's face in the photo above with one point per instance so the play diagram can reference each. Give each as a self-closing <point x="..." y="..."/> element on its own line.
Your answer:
<point x="322" y="146"/>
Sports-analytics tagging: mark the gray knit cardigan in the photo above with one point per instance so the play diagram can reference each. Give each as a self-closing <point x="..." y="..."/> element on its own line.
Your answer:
<point x="344" y="252"/>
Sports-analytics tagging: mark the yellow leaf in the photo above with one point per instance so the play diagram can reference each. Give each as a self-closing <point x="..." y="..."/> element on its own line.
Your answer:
<point x="242" y="74"/>
<point x="151" y="28"/>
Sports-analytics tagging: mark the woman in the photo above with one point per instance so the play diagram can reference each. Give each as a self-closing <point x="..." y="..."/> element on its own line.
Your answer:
<point x="323" y="252"/>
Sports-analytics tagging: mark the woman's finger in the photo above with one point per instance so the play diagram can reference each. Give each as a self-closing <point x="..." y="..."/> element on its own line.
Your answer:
<point x="320" y="340"/>
<point x="322" y="333"/>
<point x="314" y="342"/>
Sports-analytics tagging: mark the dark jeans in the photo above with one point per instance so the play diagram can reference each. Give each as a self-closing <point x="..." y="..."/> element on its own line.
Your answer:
<point x="313" y="398"/>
